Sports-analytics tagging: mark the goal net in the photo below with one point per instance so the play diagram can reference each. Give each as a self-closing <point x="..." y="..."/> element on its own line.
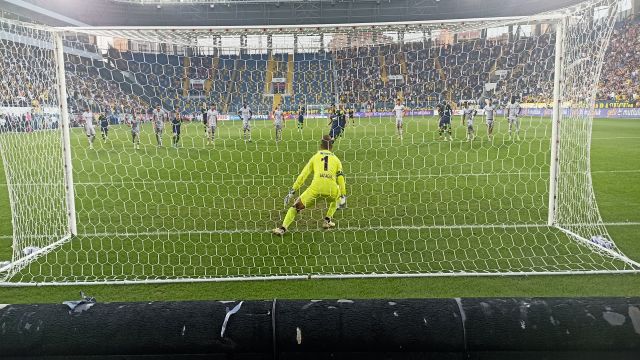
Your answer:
<point x="128" y="200"/>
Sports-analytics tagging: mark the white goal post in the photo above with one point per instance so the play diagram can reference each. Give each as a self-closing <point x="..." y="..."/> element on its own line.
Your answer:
<point x="109" y="202"/>
<point x="66" y="137"/>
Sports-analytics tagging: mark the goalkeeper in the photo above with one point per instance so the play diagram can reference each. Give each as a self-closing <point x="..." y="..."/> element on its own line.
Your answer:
<point x="328" y="183"/>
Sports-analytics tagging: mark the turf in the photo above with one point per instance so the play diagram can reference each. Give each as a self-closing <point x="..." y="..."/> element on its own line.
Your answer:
<point x="403" y="198"/>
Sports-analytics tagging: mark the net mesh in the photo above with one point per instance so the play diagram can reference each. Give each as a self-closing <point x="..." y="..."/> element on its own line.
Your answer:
<point x="431" y="200"/>
<point x="35" y="213"/>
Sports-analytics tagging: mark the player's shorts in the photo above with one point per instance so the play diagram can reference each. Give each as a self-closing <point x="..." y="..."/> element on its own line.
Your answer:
<point x="470" y="128"/>
<point x="176" y="129"/>
<point x="398" y="121"/>
<point x="90" y="130"/>
<point x="490" y="123"/>
<point x="159" y="129"/>
<point x="300" y="118"/>
<point x="104" y="129"/>
<point x="444" y="122"/>
<point x="312" y="194"/>
<point x="246" y="125"/>
<point x="336" y="131"/>
<point x="513" y="120"/>
<point x="135" y="132"/>
<point x="278" y="125"/>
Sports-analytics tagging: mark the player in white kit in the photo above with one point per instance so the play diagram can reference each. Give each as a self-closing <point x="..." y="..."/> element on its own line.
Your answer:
<point x="468" y="113"/>
<point x="245" y="115"/>
<point x="278" y="122"/>
<point x="399" y="111"/>
<point x="489" y="114"/>
<point x="89" y="129"/>
<point x="513" y="114"/>
<point x="212" y="123"/>
<point x="157" y="117"/>
<point x="135" y="120"/>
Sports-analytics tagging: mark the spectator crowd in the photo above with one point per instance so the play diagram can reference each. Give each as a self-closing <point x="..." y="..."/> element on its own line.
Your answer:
<point x="620" y="79"/>
<point x="367" y="77"/>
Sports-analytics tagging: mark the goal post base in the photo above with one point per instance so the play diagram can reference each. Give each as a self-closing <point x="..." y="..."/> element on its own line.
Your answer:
<point x="7" y="271"/>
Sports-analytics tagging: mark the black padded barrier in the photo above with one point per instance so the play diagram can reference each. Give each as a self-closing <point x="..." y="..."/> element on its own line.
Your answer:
<point x="443" y="329"/>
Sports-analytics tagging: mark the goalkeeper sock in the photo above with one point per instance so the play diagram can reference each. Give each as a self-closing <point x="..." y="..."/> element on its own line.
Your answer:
<point x="333" y="206"/>
<point x="288" y="219"/>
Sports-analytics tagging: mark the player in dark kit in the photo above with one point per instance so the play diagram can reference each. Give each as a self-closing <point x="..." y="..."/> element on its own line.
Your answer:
<point x="301" y="113"/>
<point x="332" y="109"/>
<point x="445" y="112"/>
<point x="104" y="126"/>
<point x="204" y="110"/>
<point x="351" y="112"/>
<point x="176" y="124"/>
<point x="338" y="123"/>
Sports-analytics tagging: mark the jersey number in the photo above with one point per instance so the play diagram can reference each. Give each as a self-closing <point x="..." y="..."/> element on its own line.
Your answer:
<point x="326" y="163"/>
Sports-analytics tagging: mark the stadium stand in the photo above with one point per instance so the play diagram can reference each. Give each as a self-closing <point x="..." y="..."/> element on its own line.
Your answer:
<point x="313" y="80"/>
<point x="425" y="74"/>
<point x="620" y="79"/>
<point x="87" y="86"/>
<point x="420" y="72"/>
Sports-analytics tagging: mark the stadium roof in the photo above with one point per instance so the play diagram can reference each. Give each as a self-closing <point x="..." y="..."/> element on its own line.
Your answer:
<point x="225" y="2"/>
<point x="263" y="12"/>
<point x="189" y="35"/>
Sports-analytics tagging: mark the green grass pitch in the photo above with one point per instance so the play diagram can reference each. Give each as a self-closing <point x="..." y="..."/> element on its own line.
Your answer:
<point x="503" y="182"/>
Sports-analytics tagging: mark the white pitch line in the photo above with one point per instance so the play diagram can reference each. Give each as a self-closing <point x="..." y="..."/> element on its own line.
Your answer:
<point x="373" y="228"/>
<point x="629" y="223"/>
<point x="616" y="138"/>
<point x="266" y="231"/>
<point x="614" y="171"/>
<point x="240" y="231"/>
<point x="287" y="178"/>
<point x="234" y="179"/>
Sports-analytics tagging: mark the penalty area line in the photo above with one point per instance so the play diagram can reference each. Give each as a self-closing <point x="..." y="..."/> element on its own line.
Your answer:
<point x="233" y="179"/>
<point x="362" y="229"/>
<point x="374" y="228"/>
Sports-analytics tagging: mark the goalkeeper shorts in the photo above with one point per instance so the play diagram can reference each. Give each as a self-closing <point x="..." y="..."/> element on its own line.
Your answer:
<point x="311" y="195"/>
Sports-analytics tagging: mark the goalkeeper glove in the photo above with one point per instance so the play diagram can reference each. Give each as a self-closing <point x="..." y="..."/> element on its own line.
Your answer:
<point x="342" y="203"/>
<point x="289" y="196"/>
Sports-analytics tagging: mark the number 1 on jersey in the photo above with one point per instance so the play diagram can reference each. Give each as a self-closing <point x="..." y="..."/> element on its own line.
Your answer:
<point x="326" y="163"/>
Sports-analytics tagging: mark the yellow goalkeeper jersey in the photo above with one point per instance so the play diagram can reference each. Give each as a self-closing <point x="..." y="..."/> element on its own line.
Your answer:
<point x="327" y="174"/>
